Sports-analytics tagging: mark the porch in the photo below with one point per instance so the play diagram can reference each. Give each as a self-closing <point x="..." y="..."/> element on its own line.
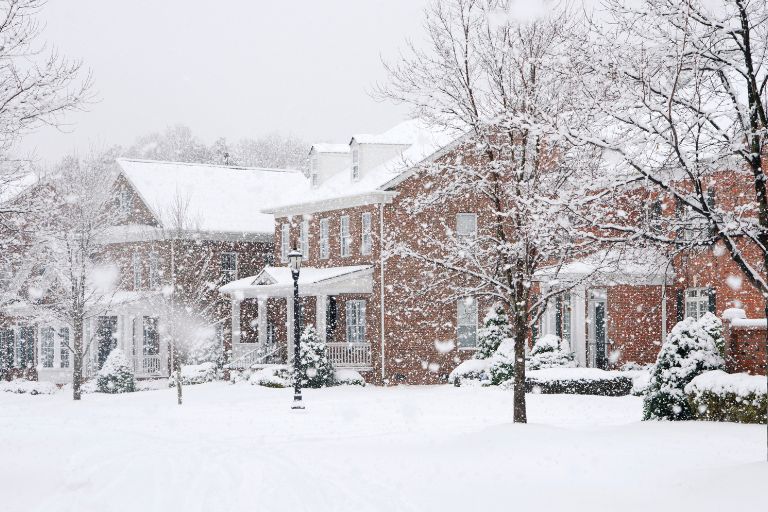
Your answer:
<point x="320" y="293"/>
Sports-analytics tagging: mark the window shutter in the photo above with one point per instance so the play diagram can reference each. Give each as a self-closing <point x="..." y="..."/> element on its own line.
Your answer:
<point x="559" y="317"/>
<point x="710" y="207"/>
<point x="712" y="300"/>
<point x="680" y="304"/>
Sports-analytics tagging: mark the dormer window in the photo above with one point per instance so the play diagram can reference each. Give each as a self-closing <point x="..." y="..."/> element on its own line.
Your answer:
<point x="355" y="163"/>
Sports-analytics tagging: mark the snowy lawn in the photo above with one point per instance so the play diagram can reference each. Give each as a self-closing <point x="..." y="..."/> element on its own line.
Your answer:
<point x="232" y="448"/>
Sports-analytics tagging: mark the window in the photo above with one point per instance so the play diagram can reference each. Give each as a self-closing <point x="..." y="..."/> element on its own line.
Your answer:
<point x="151" y="336"/>
<point x="228" y="266"/>
<point x="696" y="302"/>
<point x="154" y="270"/>
<point x="466" y="321"/>
<point x="7" y="345"/>
<point x="64" y="347"/>
<point x="126" y="201"/>
<point x="355" y="163"/>
<point x="47" y="347"/>
<point x="314" y="171"/>
<point x="25" y="347"/>
<point x="563" y="317"/>
<point x="345" y="238"/>
<point x="466" y="225"/>
<point x="655" y="218"/>
<point x="325" y="251"/>
<point x="355" y="321"/>
<point x="366" y="242"/>
<point x="304" y="239"/>
<point x="285" y="242"/>
<point x="136" y="271"/>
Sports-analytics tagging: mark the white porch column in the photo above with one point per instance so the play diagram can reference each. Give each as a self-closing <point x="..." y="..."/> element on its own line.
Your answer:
<point x="321" y="303"/>
<point x="235" y="321"/>
<point x="289" y="326"/>
<point x="579" y="324"/>
<point x="262" y="321"/>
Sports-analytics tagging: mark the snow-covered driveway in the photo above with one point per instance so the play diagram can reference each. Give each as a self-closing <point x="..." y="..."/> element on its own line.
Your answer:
<point x="232" y="448"/>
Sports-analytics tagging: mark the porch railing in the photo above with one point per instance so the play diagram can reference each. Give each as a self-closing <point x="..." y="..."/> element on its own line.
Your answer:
<point x="349" y="355"/>
<point x="246" y="355"/>
<point x="148" y="365"/>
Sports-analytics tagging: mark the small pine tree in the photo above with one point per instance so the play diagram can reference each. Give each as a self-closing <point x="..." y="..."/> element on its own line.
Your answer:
<point x="116" y="376"/>
<point x="495" y="330"/>
<point x="316" y="369"/>
<point x="548" y="352"/>
<point x="713" y="326"/>
<point x="688" y="351"/>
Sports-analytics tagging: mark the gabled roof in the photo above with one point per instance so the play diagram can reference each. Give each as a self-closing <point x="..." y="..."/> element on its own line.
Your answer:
<point x="218" y="198"/>
<point x="323" y="147"/>
<point x="278" y="282"/>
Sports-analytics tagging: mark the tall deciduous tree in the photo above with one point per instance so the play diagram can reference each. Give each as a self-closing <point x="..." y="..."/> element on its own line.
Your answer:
<point x="498" y="79"/>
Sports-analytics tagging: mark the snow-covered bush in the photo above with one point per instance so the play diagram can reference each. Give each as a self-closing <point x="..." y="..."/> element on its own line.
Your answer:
<point x="502" y="363"/>
<point x="719" y="396"/>
<point x="195" y="374"/>
<point x="471" y="371"/>
<point x="315" y="367"/>
<point x="494" y="331"/>
<point x="29" y="387"/>
<point x="272" y="376"/>
<point x="687" y="352"/>
<point x="116" y="376"/>
<point x="348" y="377"/>
<point x="713" y="326"/>
<point x="548" y="352"/>
<point x="578" y="381"/>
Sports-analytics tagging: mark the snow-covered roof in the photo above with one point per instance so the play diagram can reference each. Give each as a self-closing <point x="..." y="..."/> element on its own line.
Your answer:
<point x="219" y="198"/>
<point x="423" y="141"/>
<point x="278" y="281"/>
<point x="322" y="147"/>
<point x="615" y="266"/>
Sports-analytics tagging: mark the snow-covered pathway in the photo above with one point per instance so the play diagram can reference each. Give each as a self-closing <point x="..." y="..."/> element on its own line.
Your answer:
<point x="232" y="448"/>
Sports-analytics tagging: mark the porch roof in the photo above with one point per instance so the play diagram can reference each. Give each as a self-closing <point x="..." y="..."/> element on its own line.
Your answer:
<point x="607" y="267"/>
<point x="278" y="282"/>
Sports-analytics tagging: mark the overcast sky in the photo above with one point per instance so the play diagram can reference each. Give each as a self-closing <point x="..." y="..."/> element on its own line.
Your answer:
<point x="233" y="68"/>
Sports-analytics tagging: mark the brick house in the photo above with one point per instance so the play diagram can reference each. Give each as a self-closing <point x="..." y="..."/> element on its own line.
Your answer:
<point x="364" y="308"/>
<point x="191" y="227"/>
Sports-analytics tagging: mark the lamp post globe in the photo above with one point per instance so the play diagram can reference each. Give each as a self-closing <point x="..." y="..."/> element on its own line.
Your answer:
<point x="294" y="263"/>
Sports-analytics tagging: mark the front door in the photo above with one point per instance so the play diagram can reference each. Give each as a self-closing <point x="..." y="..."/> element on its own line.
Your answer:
<point x="106" y="337"/>
<point x="598" y="330"/>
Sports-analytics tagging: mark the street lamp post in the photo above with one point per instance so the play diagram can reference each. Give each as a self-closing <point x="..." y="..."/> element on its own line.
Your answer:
<point x="294" y="263"/>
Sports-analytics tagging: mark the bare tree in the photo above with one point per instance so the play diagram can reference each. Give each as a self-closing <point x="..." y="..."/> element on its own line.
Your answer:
<point x="679" y="93"/>
<point x="80" y="280"/>
<point x="37" y="86"/>
<point x="497" y="78"/>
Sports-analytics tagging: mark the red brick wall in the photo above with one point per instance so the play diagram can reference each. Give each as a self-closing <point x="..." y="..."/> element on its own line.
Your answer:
<point x="745" y="350"/>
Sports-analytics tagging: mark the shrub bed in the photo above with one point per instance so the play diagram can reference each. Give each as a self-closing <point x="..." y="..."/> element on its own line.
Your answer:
<point x="578" y="381"/>
<point x="719" y="396"/>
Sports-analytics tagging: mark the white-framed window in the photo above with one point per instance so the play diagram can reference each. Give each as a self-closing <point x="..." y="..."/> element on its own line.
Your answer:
<point x="154" y="270"/>
<point x="47" y="346"/>
<point x="304" y="238"/>
<point x="355" y="321"/>
<point x="314" y="171"/>
<point x="126" y="201"/>
<point x="345" y="238"/>
<point x="466" y="323"/>
<point x="466" y="225"/>
<point x="270" y="333"/>
<point x="64" y="349"/>
<point x="325" y="249"/>
<point x="151" y="336"/>
<point x="285" y="242"/>
<point x="366" y="238"/>
<point x="696" y="302"/>
<point x="564" y="317"/>
<point x="355" y="163"/>
<point x="228" y="266"/>
<point x="136" y="260"/>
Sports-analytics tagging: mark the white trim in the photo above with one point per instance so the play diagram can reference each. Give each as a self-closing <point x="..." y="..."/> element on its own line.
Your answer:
<point x="334" y="203"/>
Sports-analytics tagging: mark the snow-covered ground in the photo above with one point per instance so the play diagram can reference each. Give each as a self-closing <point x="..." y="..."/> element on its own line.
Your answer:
<point x="241" y="447"/>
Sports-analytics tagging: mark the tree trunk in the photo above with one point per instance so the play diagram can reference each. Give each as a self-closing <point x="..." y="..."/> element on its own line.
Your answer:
<point x="177" y="370"/>
<point x="520" y="308"/>
<point x="77" y="356"/>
